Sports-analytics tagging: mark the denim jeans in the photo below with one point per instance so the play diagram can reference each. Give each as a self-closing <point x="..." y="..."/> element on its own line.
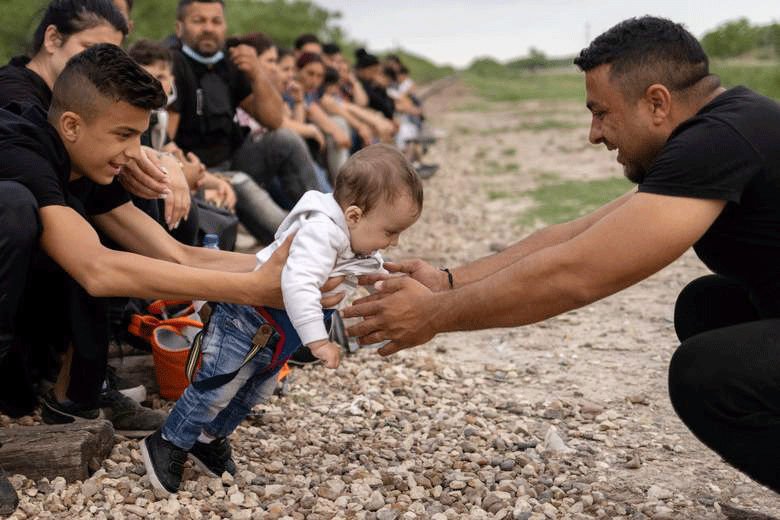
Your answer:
<point x="228" y="338"/>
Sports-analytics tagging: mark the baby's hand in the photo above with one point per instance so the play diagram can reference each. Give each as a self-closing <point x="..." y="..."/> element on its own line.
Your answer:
<point x="327" y="351"/>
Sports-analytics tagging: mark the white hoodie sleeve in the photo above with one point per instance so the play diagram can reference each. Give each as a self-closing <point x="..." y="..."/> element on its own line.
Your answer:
<point x="313" y="255"/>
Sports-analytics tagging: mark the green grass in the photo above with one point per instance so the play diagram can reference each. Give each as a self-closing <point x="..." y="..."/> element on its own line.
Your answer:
<point x="523" y="86"/>
<point x="509" y="152"/>
<point x="494" y="195"/>
<point x="565" y="201"/>
<point x="764" y="78"/>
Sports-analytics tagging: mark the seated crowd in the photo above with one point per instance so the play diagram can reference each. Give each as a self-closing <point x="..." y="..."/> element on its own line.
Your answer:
<point x="240" y="126"/>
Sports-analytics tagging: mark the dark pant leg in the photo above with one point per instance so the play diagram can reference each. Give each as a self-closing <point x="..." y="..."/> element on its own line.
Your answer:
<point x="724" y="379"/>
<point x="281" y="156"/>
<point x="19" y="231"/>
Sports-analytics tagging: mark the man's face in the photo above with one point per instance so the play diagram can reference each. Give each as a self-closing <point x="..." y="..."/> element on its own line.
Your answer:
<point x="100" y="146"/>
<point x="621" y="123"/>
<point x="311" y="75"/>
<point x="203" y="27"/>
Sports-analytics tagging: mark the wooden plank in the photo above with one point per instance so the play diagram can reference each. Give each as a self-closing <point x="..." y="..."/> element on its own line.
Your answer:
<point x="72" y="451"/>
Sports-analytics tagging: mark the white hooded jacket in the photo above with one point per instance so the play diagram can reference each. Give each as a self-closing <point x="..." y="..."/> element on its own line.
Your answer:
<point x="321" y="249"/>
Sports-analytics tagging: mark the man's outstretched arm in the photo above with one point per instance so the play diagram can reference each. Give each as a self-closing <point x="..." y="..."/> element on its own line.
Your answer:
<point x="631" y="242"/>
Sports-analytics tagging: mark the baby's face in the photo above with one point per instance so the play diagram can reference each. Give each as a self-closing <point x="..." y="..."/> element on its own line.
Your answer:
<point x="382" y="225"/>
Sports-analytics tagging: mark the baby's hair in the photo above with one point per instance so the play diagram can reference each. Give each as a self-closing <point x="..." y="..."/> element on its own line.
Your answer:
<point x="374" y="173"/>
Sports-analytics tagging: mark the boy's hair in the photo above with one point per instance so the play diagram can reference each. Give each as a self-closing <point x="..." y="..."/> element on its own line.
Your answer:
<point x="647" y="50"/>
<point x="306" y="58"/>
<point x="284" y="52"/>
<point x="330" y="49"/>
<point x="365" y="59"/>
<point x="259" y="40"/>
<point x="103" y="71"/>
<point x="73" y="16"/>
<point x="148" y="52"/>
<point x="375" y="173"/>
<point x="303" y="39"/>
<point x="184" y="3"/>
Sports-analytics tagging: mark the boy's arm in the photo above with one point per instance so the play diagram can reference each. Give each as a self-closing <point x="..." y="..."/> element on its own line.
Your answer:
<point x="75" y="246"/>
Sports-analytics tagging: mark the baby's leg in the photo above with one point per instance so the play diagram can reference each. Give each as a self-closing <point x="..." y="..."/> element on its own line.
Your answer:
<point x="227" y="340"/>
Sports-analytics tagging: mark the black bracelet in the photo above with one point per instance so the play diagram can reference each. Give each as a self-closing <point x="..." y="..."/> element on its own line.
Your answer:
<point x="449" y="276"/>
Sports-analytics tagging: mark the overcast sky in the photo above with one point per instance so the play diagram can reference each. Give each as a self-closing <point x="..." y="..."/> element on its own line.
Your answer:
<point x="457" y="31"/>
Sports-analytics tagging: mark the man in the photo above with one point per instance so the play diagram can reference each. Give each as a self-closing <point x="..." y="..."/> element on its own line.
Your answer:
<point x="211" y="82"/>
<point x="707" y="164"/>
<point x="54" y="175"/>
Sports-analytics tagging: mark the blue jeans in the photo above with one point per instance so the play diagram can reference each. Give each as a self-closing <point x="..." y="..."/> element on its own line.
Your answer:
<point x="228" y="338"/>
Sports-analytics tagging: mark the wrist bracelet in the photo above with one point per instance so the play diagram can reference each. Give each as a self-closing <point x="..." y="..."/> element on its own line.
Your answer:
<point x="449" y="277"/>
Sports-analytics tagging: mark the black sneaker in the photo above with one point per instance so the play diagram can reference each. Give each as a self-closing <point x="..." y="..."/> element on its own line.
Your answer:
<point x="128" y="417"/>
<point x="164" y="462"/>
<point x="213" y="458"/>
<point x="8" y="497"/>
<point x="64" y="412"/>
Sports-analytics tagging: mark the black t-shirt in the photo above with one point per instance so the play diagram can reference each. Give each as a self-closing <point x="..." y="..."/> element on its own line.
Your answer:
<point x="730" y="151"/>
<point x="20" y="84"/>
<point x="206" y="100"/>
<point x="32" y="154"/>
<point x="378" y="99"/>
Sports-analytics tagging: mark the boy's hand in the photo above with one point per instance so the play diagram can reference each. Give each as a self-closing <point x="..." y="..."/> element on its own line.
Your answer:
<point x="327" y="351"/>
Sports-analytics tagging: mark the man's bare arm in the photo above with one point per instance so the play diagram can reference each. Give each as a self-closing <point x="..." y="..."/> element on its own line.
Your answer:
<point x="629" y="243"/>
<point x="135" y="231"/>
<point x="74" y="245"/>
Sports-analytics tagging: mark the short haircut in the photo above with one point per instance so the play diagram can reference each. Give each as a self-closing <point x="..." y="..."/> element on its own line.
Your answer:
<point x="303" y="39"/>
<point x="375" y="173"/>
<point x="330" y="49"/>
<point x="103" y="71"/>
<point x="148" y="52"/>
<point x="184" y="3"/>
<point x="259" y="40"/>
<point x="306" y="58"/>
<point x="648" y="50"/>
<point x="70" y="17"/>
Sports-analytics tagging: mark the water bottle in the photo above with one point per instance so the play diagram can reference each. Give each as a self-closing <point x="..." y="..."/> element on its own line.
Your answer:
<point x="210" y="241"/>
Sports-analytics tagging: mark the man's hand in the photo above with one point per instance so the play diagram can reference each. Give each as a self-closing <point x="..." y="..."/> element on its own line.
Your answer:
<point x="142" y="177"/>
<point x="244" y="57"/>
<point x="401" y="312"/>
<point x="342" y="139"/>
<point x="219" y="191"/>
<point x="327" y="351"/>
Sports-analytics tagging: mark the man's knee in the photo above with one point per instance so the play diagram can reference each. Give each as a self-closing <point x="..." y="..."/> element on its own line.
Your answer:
<point x="19" y="222"/>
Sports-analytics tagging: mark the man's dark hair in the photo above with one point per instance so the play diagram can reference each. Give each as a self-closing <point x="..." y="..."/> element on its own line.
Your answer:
<point x="184" y="3"/>
<point x="303" y="39"/>
<point x="330" y="49"/>
<point x="148" y="52"/>
<point x="103" y="71"/>
<point x="259" y="40"/>
<point x="74" y="16"/>
<point x="648" y="50"/>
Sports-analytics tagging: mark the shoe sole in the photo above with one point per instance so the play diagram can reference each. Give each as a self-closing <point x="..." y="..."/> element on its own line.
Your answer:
<point x="153" y="480"/>
<point x="134" y="434"/>
<point x="200" y="465"/>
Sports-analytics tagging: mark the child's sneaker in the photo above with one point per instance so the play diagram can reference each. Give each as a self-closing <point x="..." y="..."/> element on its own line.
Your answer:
<point x="164" y="462"/>
<point x="213" y="458"/>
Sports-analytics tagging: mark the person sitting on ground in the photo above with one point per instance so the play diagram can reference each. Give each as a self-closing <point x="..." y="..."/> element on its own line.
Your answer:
<point x="369" y="72"/>
<point x="66" y="28"/>
<point x="311" y="71"/>
<point x="377" y="196"/>
<point x="100" y="106"/>
<point x="211" y="82"/>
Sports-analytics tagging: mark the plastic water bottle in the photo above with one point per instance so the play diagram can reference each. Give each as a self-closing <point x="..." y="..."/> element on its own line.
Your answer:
<point x="210" y="241"/>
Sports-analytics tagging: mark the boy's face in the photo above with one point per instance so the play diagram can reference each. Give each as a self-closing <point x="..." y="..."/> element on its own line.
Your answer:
<point x="311" y="75"/>
<point x="380" y="227"/>
<point x="101" y="145"/>
<point x="161" y="70"/>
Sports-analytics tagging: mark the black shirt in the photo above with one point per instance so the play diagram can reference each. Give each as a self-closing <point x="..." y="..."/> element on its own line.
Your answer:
<point x="730" y="151"/>
<point x="32" y="154"/>
<point x="20" y="84"/>
<point x="206" y="100"/>
<point x="378" y="99"/>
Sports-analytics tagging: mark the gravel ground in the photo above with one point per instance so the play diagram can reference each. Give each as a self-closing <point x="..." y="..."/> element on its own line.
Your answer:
<point x="568" y="418"/>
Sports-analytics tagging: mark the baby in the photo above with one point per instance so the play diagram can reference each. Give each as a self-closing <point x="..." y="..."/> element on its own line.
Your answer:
<point x="377" y="196"/>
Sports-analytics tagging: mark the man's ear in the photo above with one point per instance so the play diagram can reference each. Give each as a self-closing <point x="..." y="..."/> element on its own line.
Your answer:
<point x="69" y="126"/>
<point x="353" y="214"/>
<point x="659" y="100"/>
<point x="179" y="28"/>
<point x="52" y="39"/>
